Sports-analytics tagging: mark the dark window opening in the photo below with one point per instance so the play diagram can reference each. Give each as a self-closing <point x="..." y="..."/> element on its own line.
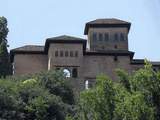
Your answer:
<point x="71" y="53"/>
<point x="56" y="53"/>
<point x="122" y="37"/>
<point x="76" y="54"/>
<point x="115" y="47"/>
<point x="66" y="53"/>
<point x="100" y="37"/>
<point x="61" y="53"/>
<point x="103" y="47"/>
<point x="74" y="73"/>
<point x="116" y="37"/>
<point x="94" y="36"/>
<point x="106" y="37"/>
<point x="115" y="58"/>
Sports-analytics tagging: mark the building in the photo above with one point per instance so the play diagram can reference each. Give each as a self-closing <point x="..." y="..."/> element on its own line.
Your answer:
<point x="108" y="50"/>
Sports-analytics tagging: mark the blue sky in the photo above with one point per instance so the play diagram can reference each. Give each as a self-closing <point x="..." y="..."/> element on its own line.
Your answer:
<point x="32" y="21"/>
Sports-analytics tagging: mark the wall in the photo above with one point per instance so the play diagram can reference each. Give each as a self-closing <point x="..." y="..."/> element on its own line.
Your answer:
<point x="110" y="44"/>
<point x="95" y="65"/>
<point x="29" y="63"/>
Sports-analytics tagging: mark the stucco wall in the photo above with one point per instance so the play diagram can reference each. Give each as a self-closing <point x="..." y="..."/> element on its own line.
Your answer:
<point x="29" y="63"/>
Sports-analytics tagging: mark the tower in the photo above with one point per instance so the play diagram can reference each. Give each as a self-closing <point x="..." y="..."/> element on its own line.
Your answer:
<point x="107" y="34"/>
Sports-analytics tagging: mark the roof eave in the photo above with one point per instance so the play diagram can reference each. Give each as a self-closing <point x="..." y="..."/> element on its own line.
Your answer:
<point x="127" y="25"/>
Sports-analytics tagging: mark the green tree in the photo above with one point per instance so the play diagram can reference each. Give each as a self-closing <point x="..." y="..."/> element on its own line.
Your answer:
<point x="131" y="97"/>
<point x="30" y="98"/>
<point x="131" y="105"/>
<point x="5" y="66"/>
<point x="147" y="82"/>
<point x="98" y="103"/>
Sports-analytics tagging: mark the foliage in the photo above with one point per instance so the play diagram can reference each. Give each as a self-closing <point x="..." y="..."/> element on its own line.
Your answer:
<point x="132" y="97"/>
<point x="98" y="103"/>
<point x="57" y="84"/>
<point x="48" y="96"/>
<point x="29" y="97"/>
<point x="5" y="66"/>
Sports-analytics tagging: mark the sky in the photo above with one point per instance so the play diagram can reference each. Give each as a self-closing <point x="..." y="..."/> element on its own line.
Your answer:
<point x="32" y="21"/>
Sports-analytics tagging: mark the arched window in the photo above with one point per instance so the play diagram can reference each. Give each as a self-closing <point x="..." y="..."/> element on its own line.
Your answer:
<point x="106" y="36"/>
<point x="67" y="73"/>
<point x="94" y="36"/>
<point x="116" y="37"/>
<point x="74" y="73"/>
<point x="76" y="53"/>
<point x="66" y="53"/>
<point x="115" y="46"/>
<point x="86" y="84"/>
<point x="56" y="53"/>
<point x="71" y="53"/>
<point x="122" y="38"/>
<point x="61" y="53"/>
<point x="100" y="37"/>
<point x="115" y="58"/>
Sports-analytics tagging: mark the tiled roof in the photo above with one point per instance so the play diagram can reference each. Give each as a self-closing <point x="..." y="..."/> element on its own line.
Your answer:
<point x="137" y="61"/>
<point x="142" y="61"/>
<point x="103" y="23"/>
<point x="111" y="52"/>
<point x="108" y="21"/>
<point x="26" y="48"/>
<point x="65" y="37"/>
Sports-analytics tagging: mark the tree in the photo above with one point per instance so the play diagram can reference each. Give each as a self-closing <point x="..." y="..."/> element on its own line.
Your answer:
<point x="5" y="66"/>
<point x="32" y="98"/>
<point x="131" y="97"/>
<point x="146" y="83"/>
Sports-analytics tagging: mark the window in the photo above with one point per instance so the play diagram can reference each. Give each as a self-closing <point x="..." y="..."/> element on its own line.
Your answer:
<point x="116" y="37"/>
<point x="100" y="37"/>
<point x="61" y="53"/>
<point x="115" y="47"/>
<point x="66" y="53"/>
<point x="106" y="37"/>
<point x="74" y="73"/>
<point x="56" y="53"/>
<point x="122" y="37"/>
<point x="103" y="47"/>
<point x="76" y="53"/>
<point x="115" y="58"/>
<point x="94" y="36"/>
<point x="67" y="73"/>
<point x="71" y="53"/>
<point x="86" y="84"/>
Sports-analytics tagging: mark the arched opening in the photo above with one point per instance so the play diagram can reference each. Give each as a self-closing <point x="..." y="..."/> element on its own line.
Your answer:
<point x="67" y="73"/>
<point x="86" y="84"/>
<point x="74" y="73"/>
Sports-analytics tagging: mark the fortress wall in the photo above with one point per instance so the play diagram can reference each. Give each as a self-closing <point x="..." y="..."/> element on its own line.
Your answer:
<point x="29" y="63"/>
<point x="95" y="65"/>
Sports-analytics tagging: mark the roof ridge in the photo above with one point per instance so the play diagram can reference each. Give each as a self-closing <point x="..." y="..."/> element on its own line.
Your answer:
<point x="65" y="37"/>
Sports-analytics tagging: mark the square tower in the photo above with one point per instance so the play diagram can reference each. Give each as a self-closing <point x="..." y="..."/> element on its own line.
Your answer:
<point x="107" y="34"/>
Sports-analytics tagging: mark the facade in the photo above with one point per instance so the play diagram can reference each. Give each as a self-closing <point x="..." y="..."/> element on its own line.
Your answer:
<point x="108" y="50"/>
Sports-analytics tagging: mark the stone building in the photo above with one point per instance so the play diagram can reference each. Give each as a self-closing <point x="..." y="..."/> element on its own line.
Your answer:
<point x="108" y="50"/>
